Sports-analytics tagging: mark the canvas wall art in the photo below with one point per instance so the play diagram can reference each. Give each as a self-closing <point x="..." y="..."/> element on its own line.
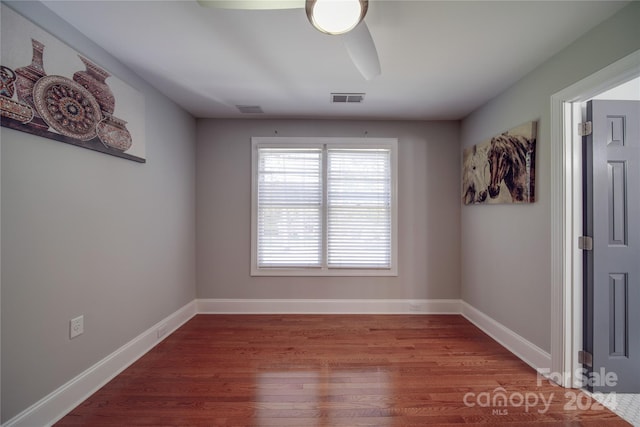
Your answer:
<point x="50" y="90"/>
<point x="501" y="169"/>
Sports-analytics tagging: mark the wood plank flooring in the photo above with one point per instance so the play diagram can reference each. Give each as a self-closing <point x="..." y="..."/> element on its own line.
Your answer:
<point x="333" y="370"/>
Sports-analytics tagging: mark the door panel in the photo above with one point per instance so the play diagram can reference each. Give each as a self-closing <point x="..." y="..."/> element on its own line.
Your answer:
<point x="617" y="176"/>
<point x="612" y="268"/>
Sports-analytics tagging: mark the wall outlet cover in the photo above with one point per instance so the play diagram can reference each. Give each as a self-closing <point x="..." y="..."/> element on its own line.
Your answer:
<point x="76" y="326"/>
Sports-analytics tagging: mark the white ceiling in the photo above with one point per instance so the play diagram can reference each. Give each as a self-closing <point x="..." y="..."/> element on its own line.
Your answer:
<point x="439" y="59"/>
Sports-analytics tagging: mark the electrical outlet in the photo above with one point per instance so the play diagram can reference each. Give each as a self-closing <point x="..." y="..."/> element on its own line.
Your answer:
<point x="76" y="326"/>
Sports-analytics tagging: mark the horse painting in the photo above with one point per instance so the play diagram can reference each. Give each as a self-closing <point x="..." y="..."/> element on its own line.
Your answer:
<point x="501" y="169"/>
<point x="512" y="160"/>
<point x="474" y="175"/>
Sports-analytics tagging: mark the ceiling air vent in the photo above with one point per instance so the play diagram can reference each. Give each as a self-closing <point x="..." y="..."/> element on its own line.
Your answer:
<point x="249" y="109"/>
<point x="347" y="98"/>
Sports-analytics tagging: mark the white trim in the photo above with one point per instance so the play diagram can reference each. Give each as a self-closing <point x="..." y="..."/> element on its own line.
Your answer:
<point x="574" y="294"/>
<point x="329" y="306"/>
<point x="528" y="352"/>
<point x="323" y="272"/>
<point x="57" y="404"/>
<point x="564" y="319"/>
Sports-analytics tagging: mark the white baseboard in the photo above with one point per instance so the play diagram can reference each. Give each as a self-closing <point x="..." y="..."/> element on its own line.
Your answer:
<point x="57" y="404"/>
<point x="328" y="306"/>
<point x="528" y="352"/>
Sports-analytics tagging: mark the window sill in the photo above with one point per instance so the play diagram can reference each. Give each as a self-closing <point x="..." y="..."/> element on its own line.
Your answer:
<point x="318" y="272"/>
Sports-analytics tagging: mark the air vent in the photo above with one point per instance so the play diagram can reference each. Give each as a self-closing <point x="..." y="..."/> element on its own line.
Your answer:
<point x="347" y="98"/>
<point x="249" y="109"/>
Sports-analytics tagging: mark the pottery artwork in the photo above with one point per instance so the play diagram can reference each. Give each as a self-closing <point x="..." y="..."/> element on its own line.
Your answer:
<point x="113" y="133"/>
<point x="15" y="110"/>
<point x="7" y="79"/>
<point x="93" y="79"/>
<point x="67" y="107"/>
<point x="50" y="90"/>
<point x="27" y="77"/>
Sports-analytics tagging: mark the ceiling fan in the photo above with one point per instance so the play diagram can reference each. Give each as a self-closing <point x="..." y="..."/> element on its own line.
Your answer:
<point x="340" y="18"/>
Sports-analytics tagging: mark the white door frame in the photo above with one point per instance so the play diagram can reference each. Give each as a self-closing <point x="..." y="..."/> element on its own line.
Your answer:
<point x="566" y="213"/>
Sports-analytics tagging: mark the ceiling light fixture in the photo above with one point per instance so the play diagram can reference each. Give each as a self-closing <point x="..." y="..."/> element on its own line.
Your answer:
<point x="336" y="16"/>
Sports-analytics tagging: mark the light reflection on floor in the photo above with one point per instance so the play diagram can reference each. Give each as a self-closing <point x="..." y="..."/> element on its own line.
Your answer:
<point x="326" y="395"/>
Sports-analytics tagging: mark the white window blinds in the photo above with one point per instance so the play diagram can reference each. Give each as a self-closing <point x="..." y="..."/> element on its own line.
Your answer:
<point x="359" y="208"/>
<point x="324" y="206"/>
<point x="289" y="207"/>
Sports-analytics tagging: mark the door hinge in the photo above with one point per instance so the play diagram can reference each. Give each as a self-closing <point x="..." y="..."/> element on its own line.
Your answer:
<point x="585" y="358"/>
<point x="584" y="129"/>
<point x="585" y="243"/>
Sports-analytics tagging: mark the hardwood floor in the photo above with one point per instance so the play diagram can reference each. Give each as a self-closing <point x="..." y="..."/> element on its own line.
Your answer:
<point x="333" y="370"/>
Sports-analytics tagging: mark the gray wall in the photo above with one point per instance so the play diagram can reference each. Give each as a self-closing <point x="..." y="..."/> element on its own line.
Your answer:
<point x="506" y="267"/>
<point x="428" y="202"/>
<point x="84" y="233"/>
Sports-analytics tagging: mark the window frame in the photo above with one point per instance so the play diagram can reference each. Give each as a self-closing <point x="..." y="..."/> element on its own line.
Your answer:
<point x="324" y="142"/>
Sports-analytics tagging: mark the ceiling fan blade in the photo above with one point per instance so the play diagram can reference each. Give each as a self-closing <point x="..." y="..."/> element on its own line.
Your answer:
<point x="253" y="4"/>
<point x="362" y="50"/>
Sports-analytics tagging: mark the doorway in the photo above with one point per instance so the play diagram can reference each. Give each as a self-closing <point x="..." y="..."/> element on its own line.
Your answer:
<point x="574" y="115"/>
<point x="566" y="207"/>
<point x="566" y="211"/>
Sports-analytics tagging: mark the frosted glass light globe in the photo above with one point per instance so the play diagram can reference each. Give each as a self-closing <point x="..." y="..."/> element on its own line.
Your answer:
<point x="336" y="16"/>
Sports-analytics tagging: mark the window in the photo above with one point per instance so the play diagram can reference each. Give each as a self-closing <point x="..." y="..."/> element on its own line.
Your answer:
<point x="324" y="206"/>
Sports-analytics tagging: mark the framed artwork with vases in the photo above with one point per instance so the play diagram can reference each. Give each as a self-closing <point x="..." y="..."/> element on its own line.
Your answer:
<point x="50" y="90"/>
